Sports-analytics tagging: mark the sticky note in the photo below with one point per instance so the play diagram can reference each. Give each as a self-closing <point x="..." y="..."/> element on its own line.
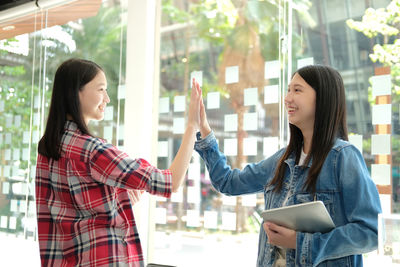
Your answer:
<point x="271" y="94"/>
<point x="178" y="126"/>
<point x="15" y="171"/>
<point x="228" y="221"/>
<point x="231" y="123"/>
<point x="230" y="147"/>
<point x="193" y="194"/>
<point x="36" y="119"/>
<point x="9" y="119"/>
<point x="228" y="200"/>
<point x="210" y="219"/>
<point x="250" y="121"/>
<point x="232" y="74"/>
<point x="357" y="141"/>
<point x="162" y="149"/>
<point x="7" y="138"/>
<point x="305" y="62"/>
<point x="270" y="145"/>
<point x="108" y="133"/>
<point x="22" y="206"/>
<point x="25" y="154"/>
<point x="250" y="146"/>
<point x="193" y="218"/>
<point x="35" y="137"/>
<point x="380" y="174"/>
<point x="7" y="171"/>
<point x="36" y="102"/>
<point x="249" y="200"/>
<point x="213" y="100"/>
<point x="3" y="221"/>
<point x="16" y="154"/>
<point x="194" y="171"/>
<point x="382" y="114"/>
<point x="5" y="188"/>
<point x="381" y="85"/>
<point x="250" y="96"/>
<point x="272" y="69"/>
<point x="121" y="91"/>
<point x="33" y="171"/>
<point x="17" y="121"/>
<point x="13" y="223"/>
<point x="179" y="103"/>
<point x="7" y="154"/>
<point x="386" y="203"/>
<point x="178" y="196"/>
<point x="121" y="132"/>
<point x="25" y="137"/>
<point x="161" y="216"/>
<point x="380" y="144"/>
<point x="14" y="205"/>
<point x="163" y="105"/>
<point x="109" y="113"/>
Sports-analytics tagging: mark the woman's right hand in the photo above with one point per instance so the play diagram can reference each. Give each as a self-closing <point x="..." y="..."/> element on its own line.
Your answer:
<point x="205" y="128"/>
<point x="194" y="106"/>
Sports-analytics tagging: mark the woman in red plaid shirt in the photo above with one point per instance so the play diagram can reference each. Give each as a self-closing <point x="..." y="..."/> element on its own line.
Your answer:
<point x="83" y="184"/>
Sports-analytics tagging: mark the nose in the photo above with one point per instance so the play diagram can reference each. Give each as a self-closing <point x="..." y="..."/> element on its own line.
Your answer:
<point x="288" y="98"/>
<point x="107" y="98"/>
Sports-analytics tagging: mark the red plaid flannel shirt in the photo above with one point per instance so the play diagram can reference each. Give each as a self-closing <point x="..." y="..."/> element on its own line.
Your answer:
<point x="84" y="211"/>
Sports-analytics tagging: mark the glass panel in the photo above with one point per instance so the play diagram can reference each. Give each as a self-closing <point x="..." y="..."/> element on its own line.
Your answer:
<point x="333" y="38"/>
<point x="232" y="49"/>
<point x="28" y="67"/>
<point x="21" y="105"/>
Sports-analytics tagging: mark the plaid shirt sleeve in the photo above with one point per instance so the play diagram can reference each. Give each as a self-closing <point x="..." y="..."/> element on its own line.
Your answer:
<point x="114" y="168"/>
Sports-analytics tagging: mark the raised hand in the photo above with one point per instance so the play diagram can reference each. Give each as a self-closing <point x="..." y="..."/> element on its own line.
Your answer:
<point x="205" y="128"/>
<point x="194" y="106"/>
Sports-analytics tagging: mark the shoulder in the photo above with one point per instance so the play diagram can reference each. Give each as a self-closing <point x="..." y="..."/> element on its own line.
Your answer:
<point x="345" y="148"/>
<point x="340" y="144"/>
<point x="82" y="146"/>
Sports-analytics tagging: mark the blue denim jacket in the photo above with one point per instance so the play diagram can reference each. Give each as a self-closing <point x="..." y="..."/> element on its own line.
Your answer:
<point x="343" y="185"/>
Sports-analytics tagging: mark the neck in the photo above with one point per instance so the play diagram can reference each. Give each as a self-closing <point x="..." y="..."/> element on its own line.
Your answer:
<point x="307" y="140"/>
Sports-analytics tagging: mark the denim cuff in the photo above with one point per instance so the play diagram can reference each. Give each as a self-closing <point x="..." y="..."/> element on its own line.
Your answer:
<point x="207" y="142"/>
<point x="303" y="249"/>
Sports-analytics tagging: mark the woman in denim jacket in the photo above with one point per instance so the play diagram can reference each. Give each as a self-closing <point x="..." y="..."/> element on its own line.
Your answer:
<point x="318" y="164"/>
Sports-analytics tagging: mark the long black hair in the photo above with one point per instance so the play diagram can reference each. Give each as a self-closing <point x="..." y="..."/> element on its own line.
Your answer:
<point x="329" y="124"/>
<point x="71" y="76"/>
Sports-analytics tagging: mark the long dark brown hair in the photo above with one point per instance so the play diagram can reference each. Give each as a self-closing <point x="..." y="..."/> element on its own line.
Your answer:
<point x="71" y="76"/>
<point x="329" y="124"/>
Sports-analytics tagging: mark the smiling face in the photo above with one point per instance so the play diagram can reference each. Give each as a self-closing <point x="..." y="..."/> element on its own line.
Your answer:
<point x="300" y="103"/>
<point x="93" y="98"/>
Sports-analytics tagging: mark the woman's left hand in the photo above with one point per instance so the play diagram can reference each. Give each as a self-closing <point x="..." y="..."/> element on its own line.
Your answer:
<point x="280" y="236"/>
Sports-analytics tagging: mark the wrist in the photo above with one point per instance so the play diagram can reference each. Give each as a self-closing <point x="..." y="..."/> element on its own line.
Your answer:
<point x="191" y="128"/>
<point x="205" y="131"/>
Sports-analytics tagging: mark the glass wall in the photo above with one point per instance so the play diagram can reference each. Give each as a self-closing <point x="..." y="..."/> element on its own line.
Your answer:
<point x="27" y="66"/>
<point x="243" y="54"/>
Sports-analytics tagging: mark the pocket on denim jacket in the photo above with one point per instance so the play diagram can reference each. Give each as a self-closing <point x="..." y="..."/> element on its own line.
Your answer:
<point x="327" y="197"/>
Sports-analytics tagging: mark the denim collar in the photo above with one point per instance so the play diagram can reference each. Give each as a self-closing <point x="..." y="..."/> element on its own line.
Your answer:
<point x="291" y="161"/>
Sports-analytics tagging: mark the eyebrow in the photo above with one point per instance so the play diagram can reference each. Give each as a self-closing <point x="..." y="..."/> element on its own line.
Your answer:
<point x="296" y="84"/>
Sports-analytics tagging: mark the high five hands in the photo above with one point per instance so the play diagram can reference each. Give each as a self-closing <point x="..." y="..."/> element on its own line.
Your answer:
<point x="204" y="126"/>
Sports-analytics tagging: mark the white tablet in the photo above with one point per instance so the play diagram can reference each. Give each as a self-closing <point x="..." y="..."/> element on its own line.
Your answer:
<point x="310" y="217"/>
